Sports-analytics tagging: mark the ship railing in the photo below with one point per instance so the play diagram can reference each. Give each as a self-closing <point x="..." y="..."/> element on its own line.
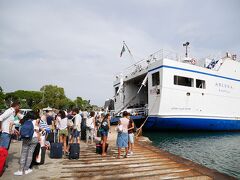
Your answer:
<point x="133" y="111"/>
<point x="143" y="64"/>
<point x="215" y="61"/>
<point x="138" y="111"/>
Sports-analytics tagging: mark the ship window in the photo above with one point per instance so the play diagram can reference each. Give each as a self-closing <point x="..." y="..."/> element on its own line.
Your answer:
<point x="155" y="79"/>
<point x="116" y="90"/>
<point x="183" y="81"/>
<point x="200" y="84"/>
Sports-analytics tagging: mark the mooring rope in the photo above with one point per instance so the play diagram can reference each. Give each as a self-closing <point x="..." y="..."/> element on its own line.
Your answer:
<point x="140" y="128"/>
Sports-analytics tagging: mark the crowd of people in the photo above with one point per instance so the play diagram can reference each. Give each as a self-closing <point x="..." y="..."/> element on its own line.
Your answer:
<point x="65" y="127"/>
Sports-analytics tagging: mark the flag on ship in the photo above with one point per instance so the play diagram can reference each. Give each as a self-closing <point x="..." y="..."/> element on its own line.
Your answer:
<point x="212" y="64"/>
<point x="124" y="48"/>
<point x="122" y="51"/>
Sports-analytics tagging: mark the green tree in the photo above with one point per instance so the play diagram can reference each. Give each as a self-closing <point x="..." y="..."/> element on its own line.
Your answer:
<point x="2" y="97"/>
<point x="49" y="95"/>
<point x="82" y="104"/>
<point x="9" y="98"/>
<point x="69" y="104"/>
<point x="54" y="96"/>
<point x="28" y="99"/>
<point x="78" y="102"/>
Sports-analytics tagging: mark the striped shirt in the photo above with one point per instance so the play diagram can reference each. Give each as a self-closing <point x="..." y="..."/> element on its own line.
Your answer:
<point x="43" y="125"/>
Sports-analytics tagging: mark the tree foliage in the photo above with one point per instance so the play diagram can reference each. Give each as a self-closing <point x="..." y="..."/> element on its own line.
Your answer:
<point x="54" y="96"/>
<point x="49" y="95"/>
<point x="2" y="98"/>
<point x="82" y="104"/>
<point x="28" y="99"/>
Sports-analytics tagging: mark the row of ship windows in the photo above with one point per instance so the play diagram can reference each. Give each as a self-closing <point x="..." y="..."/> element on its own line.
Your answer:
<point x="180" y="80"/>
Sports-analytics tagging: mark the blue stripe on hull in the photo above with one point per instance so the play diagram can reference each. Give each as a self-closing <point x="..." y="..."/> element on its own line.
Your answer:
<point x="192" y="124"/>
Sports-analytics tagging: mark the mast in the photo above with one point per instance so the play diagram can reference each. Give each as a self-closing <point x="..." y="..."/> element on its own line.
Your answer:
<point x="186" y="45"/>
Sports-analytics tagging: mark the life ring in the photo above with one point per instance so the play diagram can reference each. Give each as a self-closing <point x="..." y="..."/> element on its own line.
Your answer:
<point x="193" y="61"/>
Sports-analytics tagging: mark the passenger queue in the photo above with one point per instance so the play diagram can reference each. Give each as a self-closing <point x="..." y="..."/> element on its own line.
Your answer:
<point x="61" y="133"/>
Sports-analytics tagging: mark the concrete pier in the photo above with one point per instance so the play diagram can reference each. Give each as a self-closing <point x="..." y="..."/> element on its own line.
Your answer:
<point x="148" y="162"/>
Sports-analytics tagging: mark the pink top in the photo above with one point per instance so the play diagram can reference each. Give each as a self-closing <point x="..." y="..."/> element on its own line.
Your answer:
<point x="124" y="123"/>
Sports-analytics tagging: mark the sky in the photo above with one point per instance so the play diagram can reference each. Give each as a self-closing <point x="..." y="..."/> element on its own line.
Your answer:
<point x="75" y="44"/>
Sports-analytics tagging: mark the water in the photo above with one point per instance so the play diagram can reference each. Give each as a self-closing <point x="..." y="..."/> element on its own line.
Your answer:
<point x="216" y="150"/>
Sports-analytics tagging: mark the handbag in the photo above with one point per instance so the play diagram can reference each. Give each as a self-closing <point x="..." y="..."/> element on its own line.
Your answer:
<point x="70" y="123"/>
<point x="89" y="126"/>
<point x="119" y="128"/>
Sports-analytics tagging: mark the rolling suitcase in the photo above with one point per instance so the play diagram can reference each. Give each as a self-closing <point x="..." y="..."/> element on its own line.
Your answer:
<point x="74" y="151"/>
<point x="3" y="158"/>
<point x="56" y="150"/>
<point x="99" y="148"/>
<point x="83" y="129"/>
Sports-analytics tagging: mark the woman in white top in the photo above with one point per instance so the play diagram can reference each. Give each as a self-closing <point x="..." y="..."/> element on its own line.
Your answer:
<point x="63" y="131"/>
<point x="122" y="138"/>
<point x="28" y="145"/>
<point x="90" y="126"/>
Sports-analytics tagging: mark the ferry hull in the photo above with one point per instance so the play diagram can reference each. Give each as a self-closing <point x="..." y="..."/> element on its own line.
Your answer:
<point x="201" y="124"/>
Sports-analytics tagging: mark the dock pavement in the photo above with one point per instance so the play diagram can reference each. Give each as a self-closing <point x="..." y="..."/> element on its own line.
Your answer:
<point x="147" y="162"/>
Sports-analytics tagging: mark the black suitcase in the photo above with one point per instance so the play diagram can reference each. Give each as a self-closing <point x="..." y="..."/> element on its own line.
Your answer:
<point x="56" y="150"/>
<point x="74" y="151"/>
<point x="83" y="129"/>
<point x="99" y="148"/>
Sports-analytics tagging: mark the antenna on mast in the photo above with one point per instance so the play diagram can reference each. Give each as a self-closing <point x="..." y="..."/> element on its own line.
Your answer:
<point x="186" y="45"/>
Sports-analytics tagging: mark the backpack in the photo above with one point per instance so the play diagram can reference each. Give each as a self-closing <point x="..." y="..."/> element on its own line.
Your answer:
<point x="49" y="120"/>
<point x="91" y="125"/>
<point x="27" y="130"/>
<point x="104" y="125"/>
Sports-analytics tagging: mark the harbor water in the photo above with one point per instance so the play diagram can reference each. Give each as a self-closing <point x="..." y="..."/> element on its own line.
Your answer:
<point x="216" y="150"/>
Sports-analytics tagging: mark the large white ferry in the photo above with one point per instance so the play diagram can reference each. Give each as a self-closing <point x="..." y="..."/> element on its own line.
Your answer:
<point x="182" y="93"/>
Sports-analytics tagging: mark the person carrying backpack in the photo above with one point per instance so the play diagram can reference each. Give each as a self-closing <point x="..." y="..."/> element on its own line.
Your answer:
<point x="104" y="129"/>
<point x="30" y="136"/>
<point x="122" y="137"/>
<point x="90" y="125"/>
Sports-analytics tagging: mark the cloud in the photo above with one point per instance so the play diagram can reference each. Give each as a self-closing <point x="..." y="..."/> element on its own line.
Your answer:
<point x="76" y="44"/>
